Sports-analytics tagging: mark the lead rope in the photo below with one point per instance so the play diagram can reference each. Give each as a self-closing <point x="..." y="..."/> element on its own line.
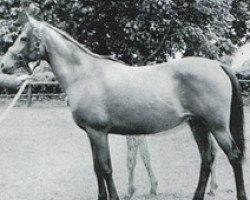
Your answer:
<point x="17" y="96"/>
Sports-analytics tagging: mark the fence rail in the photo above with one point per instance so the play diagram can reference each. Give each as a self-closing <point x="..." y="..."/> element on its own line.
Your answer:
<point x="29" y="94"/>
<point x="244" y="81"/>
<point x="30" y="85"/>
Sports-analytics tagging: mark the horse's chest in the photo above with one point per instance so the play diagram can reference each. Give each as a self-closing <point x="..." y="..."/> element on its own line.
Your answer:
<point x="88" y="112"/>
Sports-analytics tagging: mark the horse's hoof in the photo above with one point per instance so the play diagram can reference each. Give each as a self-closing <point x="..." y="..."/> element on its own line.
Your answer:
<point x="211" y="193"/>
<point x="131" y="192"/>
<point x="154" y="188"/>
<point x="127" y="197"/>
<point x="198" y="197"/>
<point x="242" y="198"/>
<point x="213" y="190"/>
<point x="116" y="198"/>
<point x="102" y="198"/>
<point x="153" y="192"/>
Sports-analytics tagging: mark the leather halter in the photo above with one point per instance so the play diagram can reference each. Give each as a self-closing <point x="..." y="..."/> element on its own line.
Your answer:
<point x="37" y="50"/>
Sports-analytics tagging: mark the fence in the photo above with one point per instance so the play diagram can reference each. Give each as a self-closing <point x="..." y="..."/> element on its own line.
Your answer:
<point x="244" y="83"/>
<point x="29" y="94"/>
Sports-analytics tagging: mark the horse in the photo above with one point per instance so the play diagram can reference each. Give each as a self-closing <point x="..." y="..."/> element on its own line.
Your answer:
<point x="135" y="143"/>
<point x="108" y="96"/>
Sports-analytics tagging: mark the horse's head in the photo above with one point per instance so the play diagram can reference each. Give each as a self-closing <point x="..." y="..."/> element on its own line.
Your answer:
<point x="28" y="47"/>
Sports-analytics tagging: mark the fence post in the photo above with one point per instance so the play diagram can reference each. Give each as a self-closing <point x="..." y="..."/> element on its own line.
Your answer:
<point x="29" y="95"/>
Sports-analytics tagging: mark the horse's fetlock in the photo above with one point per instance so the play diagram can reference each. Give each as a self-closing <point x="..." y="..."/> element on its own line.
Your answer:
<point x="206" y="166"/>
<point x="102" y="198"/>
<point x="242" y="196"/>
<point x="210" y="160"/>
<point x="198" y="196"/>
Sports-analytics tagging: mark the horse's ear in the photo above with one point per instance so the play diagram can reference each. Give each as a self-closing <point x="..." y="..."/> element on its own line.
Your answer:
<point x="23" y="18"/>
<point x="32" y="21"/>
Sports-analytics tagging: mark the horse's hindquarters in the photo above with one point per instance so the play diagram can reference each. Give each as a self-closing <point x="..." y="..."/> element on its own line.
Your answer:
<point x="205" y="91"/>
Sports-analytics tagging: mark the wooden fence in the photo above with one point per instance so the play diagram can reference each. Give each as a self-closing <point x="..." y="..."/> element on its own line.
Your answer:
<point x="29" y="94"/>
<point x="30" y="85"/>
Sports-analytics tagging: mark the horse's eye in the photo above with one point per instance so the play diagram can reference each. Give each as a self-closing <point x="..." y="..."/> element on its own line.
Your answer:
<point x="37" y="44"/>
<point x="19" y="56"/>
<point x="24" y="39"/>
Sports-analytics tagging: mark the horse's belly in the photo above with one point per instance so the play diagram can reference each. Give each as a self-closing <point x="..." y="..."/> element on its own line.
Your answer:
<point x="148" y="122"/>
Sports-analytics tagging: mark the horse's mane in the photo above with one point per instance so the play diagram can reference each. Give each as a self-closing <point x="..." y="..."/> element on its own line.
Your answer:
<point x="69" y="38"/>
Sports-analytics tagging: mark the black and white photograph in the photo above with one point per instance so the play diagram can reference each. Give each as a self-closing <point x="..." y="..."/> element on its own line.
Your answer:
<point x="124" y="100"/>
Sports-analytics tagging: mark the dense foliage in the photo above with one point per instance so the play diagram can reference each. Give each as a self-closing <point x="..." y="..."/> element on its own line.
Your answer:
<point x="142" y="30"/>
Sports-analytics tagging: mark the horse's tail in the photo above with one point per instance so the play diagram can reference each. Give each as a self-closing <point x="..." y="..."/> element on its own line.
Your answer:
<point x="237" y="112"/>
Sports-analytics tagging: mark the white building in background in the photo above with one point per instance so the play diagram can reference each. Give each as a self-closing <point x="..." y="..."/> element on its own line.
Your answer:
<point x="241" y="59"/>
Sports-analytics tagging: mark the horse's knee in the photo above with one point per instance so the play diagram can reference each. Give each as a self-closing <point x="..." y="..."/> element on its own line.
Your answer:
<point x="103" y="169"/>
<point x="107" y="172"/>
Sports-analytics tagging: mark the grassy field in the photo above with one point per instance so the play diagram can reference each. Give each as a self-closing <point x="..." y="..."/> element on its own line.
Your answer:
<point x="45" y="156"/>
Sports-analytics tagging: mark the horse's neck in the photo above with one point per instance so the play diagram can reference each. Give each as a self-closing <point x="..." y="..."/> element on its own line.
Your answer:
<point x="67" y="60"/>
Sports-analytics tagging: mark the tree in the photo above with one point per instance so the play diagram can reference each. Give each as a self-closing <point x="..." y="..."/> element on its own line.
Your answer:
<point x="143" y="30"/>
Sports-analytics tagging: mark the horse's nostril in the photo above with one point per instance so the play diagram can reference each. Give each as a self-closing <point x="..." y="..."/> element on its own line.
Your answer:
<point x="20" y="57"/>
<point x="3" y="70"/>
<point x="6" y="71"/>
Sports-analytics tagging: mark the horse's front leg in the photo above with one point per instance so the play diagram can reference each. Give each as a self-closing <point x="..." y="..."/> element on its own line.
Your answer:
<point x="102" y="163"/>
<point x="102" y="193"/>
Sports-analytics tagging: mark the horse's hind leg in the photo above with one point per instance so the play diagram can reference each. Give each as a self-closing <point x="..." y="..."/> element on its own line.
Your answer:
<point x="235" y="158"/>
<point x="101" y="156"/>
<point x="132" y="147"/>
<point x="207" y="152"/>
<point x="143" y="149"/>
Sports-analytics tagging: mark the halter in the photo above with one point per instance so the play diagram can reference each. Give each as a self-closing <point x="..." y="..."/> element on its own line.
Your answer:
<point x="37" y="46"/>
<point x="37" y="50"/>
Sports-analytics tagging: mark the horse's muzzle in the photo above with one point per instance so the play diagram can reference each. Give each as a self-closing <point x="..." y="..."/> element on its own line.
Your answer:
<point x="6" y="70"/>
